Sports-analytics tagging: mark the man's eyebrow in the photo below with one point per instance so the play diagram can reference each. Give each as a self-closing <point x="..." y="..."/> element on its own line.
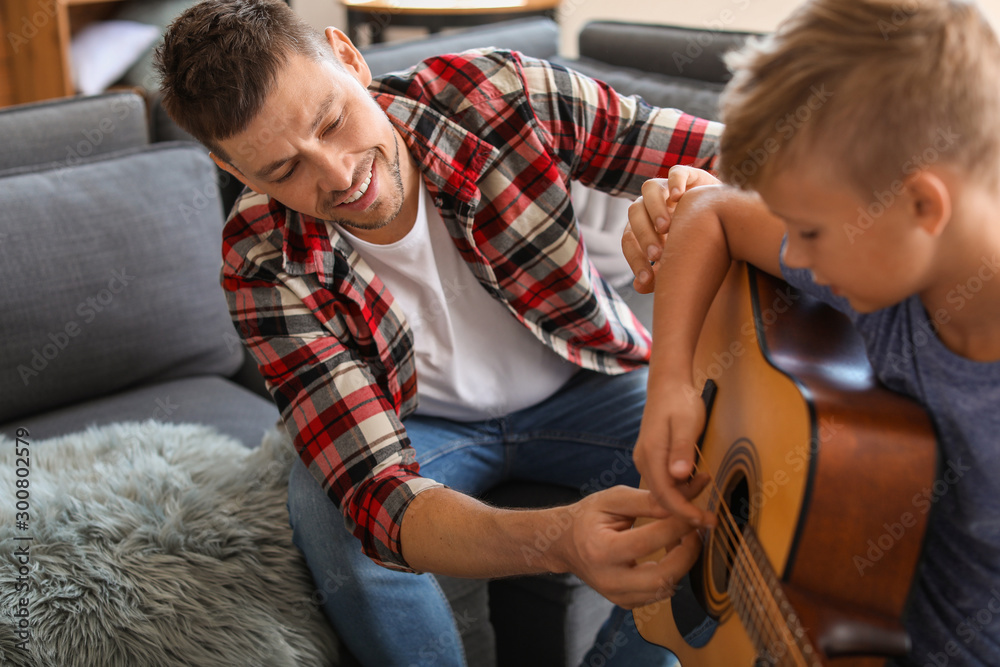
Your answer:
<point x="271" y="167"/>
<point x="324" y="109"/>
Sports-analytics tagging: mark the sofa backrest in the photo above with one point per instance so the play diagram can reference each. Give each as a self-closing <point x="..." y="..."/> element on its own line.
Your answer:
<point x="109" y="277"/>
<point x="71" y="130"/>
<point x="536" y="37"/>
<point x="691" y="53"/>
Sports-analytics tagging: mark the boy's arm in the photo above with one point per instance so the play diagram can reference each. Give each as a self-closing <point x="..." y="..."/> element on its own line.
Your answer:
<point x="710" y="227"/>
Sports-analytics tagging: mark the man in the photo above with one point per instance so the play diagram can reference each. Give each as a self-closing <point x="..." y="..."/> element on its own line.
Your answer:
<point x="408" y="272"/>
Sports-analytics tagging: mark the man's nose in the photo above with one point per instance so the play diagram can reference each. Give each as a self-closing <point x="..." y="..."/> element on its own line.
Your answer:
<point x="335" y="171"/>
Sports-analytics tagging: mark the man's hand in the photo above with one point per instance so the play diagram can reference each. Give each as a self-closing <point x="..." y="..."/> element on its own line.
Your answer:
<point x="601" y="547"/>
<point x="665" y="450"/>
<point x="649" y="220"/>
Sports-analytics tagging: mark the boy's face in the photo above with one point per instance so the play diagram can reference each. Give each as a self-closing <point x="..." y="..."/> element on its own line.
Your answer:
<point x="321" y="145"/>
<point x="871" y="250"/>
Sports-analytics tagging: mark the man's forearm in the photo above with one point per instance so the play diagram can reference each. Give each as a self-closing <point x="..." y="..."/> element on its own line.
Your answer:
<point x="447" y="532"/>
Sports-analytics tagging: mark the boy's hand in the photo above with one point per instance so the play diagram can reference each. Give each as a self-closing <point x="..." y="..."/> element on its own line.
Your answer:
<point x="664" y="454"/>
<point x="649" y="219"/>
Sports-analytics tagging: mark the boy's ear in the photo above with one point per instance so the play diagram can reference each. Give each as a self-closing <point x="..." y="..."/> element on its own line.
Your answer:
<point x="225" y="166"/>
<point x="930" y="201"/>
<point x="349" y="56"/>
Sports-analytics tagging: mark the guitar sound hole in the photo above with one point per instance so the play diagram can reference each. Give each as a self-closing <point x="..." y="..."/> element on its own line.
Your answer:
<point x="706" y="603"/>
<point x="724" y="538"/>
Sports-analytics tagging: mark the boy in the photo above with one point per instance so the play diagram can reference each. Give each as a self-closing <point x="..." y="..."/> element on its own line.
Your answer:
<point x="868" y="134"/>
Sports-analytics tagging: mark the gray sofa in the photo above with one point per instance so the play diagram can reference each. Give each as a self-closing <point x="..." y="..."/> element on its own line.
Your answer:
<point x="111" y="309"/>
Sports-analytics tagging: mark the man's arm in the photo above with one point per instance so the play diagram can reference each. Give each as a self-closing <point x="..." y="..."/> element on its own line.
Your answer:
<point x="710" y="227"/>
<point x="609" y="141"/>
<point x="449" y="533"/>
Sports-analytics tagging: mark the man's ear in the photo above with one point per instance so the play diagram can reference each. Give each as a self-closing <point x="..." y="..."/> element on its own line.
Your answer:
<point x="930" y="200"/>
<point x="225" y="166"/>
<point x="349" y="56"/>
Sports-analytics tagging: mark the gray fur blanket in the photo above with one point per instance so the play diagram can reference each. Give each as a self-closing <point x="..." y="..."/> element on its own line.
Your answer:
<point x="154" y="544"/>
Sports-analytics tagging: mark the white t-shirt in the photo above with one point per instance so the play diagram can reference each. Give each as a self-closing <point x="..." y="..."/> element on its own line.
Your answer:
<point x="474" y="359"/>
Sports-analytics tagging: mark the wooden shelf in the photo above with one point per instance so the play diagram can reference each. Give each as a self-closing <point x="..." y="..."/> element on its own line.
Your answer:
<point x="87" y="2"/>
<point x="38" y="34"/>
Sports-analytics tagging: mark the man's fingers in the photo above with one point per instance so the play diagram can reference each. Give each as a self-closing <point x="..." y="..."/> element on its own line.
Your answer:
<point x="649" y="582"/>
<point x="650" y="537"/>
<point x="628" y="501"/>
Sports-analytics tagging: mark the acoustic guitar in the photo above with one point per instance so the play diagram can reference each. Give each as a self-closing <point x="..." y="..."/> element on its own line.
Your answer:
<point x="817" y="475"/>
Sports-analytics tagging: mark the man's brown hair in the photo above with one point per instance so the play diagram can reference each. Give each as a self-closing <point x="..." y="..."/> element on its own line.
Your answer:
<point x="219" y="61"/>
<point x="880" y="88"/>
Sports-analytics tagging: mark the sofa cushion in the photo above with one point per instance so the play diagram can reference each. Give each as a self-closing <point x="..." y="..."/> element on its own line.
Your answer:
<point x="71" y="130"/>
<point x="209" y="400"/>
<point x="109" y="277"/>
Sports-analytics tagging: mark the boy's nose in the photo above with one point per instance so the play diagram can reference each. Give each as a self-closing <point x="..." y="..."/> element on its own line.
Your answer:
<point x="792" y="256"/>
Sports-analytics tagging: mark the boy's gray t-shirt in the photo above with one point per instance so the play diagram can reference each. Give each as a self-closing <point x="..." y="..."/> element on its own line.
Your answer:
<point x="954" y="618"/>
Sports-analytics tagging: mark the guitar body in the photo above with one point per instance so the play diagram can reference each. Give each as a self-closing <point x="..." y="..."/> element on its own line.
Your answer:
<point x="819" y="465"/>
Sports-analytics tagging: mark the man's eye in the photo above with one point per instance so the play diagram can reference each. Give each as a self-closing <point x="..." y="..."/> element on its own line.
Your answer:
<point x="287" y="176"/>
<point x="808" y="235"/>
<point x="334" y="125"/>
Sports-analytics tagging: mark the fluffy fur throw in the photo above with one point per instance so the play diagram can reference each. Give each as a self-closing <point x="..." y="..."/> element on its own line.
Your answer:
<point x="156" y="544"/>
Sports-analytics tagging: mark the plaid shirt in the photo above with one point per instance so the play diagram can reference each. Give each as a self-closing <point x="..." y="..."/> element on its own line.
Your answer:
<point x="498" y="137"/>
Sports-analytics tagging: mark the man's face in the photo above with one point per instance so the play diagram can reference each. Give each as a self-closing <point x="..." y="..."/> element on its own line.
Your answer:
<point x="322" y="146"/>
<point x="869" y="249"/>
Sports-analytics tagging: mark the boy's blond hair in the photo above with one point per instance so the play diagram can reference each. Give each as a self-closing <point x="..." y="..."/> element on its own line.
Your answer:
<point x="880" y="88"/>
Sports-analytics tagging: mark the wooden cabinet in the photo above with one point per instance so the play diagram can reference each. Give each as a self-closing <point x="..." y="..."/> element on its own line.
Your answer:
<point x="5" y="97"/>
<point x="37" y="38"/>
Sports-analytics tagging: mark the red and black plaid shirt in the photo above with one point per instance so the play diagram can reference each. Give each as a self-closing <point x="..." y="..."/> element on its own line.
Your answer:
<point x="498" y="137"/>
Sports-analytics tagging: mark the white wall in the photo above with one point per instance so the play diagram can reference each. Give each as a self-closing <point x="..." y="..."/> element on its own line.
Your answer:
<point x="755" y="15"/>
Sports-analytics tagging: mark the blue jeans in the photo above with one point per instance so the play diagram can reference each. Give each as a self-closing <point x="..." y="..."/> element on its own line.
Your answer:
<point x="581" y="437"/>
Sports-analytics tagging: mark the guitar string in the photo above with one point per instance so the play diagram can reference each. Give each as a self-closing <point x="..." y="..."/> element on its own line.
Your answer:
<point x="759" y="594"/>
<point x="776" y="635"/>
<point x="780" y="633"/>
<point x="731" y="527"/>
<point x="747" y="593"/>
